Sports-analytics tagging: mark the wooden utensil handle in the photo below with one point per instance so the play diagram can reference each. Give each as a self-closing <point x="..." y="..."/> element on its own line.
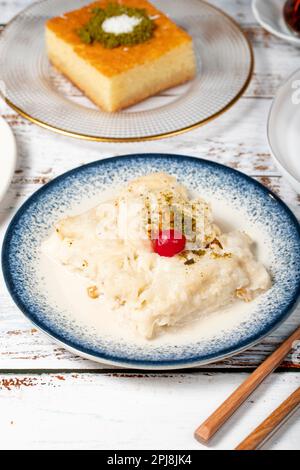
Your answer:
<point x="271" y="424"/>
<point x="207" y="429"/>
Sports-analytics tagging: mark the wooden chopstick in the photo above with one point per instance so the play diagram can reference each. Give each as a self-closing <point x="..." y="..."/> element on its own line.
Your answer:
<point x="208" y="429"/>
<point x="271" y="424"/>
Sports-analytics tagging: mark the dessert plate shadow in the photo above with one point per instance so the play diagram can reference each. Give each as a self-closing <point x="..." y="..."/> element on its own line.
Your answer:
<point x="238" y="202"/>
<point x="42" y="95"/>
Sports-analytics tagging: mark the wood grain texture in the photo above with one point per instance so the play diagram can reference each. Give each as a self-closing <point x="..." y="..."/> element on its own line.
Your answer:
<point x="217" y="419"/>
<point x="131" y="411"/>
<point x="269" y="426"/>
<point x="84" y="410"/>
<point x="232" y="140"/>
<point x="238" y="139"/>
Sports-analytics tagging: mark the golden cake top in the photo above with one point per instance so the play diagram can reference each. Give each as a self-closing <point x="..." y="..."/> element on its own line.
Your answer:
<point x="109" y="62"/>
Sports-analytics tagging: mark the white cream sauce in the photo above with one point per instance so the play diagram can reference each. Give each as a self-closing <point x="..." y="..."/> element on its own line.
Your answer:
<point x="69" y="289"/>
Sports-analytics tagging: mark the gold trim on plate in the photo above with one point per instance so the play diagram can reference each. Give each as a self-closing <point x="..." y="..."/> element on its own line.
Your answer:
<point x="150" y="137"/>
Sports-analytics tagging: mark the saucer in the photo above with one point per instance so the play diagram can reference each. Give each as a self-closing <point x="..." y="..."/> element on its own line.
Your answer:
<point x="270" y="16"/>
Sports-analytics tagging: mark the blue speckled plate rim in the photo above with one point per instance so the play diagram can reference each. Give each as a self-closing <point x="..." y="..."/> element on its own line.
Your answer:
<point x="144" y="364"/>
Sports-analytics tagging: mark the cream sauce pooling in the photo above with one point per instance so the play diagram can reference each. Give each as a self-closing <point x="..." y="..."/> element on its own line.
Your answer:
<point x="149" y="292"/>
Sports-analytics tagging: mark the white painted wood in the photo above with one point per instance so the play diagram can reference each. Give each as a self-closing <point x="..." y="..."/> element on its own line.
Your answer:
<point x="110" y="411"/>
<point x="140" y="411"/>
<point x="237" y="139"/>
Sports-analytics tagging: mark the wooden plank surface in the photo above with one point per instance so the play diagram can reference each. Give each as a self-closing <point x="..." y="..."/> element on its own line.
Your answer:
<point x="125" y="411"/>
<point x="238" y="139"/>
<point x="83" y="405"/>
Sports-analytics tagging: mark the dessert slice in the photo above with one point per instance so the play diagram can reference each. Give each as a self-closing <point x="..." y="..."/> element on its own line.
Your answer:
<point x="120" y="53"/>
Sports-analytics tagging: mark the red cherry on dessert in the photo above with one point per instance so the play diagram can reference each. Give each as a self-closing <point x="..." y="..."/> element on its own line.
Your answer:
<point x="169" y="243"/>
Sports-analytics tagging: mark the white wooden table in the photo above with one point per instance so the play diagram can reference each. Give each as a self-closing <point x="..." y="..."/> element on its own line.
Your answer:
<point x="53" y="399"/>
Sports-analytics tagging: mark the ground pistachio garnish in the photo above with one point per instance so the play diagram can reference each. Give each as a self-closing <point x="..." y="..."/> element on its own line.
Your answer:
<point x="189" y="262"/>
<point x="93" y="30"/>
<point x="199" y="252"/>
<point x="220" y="255"/>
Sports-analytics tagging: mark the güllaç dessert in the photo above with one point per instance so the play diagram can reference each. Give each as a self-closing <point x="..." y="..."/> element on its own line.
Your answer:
<point x="156" y="257"/>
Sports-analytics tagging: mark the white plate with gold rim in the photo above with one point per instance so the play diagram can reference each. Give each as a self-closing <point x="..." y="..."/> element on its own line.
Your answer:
<point x="39" y="93"/>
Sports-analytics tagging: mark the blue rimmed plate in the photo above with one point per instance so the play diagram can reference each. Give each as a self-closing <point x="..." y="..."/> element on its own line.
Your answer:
<point x="238" y="202"/>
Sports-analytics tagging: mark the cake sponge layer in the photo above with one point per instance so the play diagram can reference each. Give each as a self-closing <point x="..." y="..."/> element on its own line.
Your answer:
<point x="120" y="77"/>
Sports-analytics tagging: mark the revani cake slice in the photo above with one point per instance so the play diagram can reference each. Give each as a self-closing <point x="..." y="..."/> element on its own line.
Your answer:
<point x="120" y="53"/>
